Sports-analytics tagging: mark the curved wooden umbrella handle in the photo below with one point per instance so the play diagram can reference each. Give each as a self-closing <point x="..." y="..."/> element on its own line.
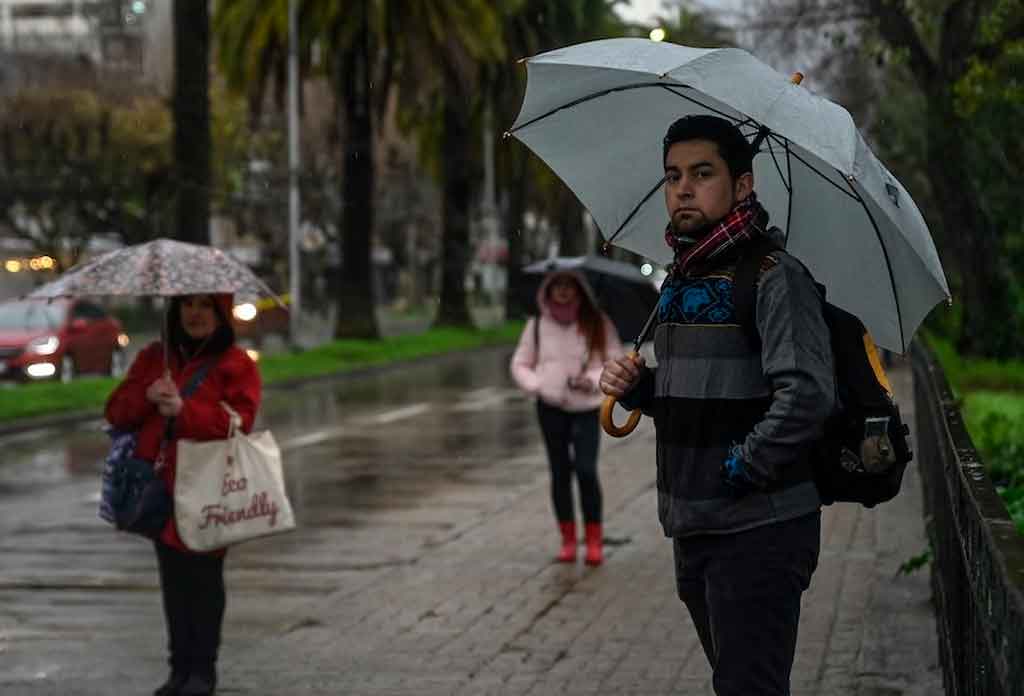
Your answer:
<point x="608" y="422"/>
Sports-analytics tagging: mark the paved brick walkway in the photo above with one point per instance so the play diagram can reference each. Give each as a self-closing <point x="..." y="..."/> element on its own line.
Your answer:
<point x="487" y="612"/>
<point x="455" y="591"/>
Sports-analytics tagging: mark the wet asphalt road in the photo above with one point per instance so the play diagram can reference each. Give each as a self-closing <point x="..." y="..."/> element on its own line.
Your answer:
<point x="379" y="468"/>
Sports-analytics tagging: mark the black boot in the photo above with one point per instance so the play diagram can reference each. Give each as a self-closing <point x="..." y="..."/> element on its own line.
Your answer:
<point x="172" y="687"/>
<point x="198" y="685"/>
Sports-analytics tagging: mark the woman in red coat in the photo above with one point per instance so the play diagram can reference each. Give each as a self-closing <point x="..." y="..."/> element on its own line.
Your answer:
<point x="192" y="584"/>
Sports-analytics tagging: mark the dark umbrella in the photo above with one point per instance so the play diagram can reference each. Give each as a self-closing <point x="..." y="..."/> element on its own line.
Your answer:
<point x="625" y="294"/>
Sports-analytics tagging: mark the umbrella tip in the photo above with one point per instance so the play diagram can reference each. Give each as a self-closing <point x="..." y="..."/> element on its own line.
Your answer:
<point x="797" y="77"/>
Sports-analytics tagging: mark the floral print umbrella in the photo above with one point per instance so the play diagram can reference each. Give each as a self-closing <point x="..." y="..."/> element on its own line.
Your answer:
<point x="162" y="267"/>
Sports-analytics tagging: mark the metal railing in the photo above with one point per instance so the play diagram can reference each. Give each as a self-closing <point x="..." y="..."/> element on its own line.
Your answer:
<point x="978" y="570"/>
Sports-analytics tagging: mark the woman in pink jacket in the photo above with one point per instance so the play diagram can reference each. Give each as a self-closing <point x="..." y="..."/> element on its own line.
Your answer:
<point x="559" y="360"/>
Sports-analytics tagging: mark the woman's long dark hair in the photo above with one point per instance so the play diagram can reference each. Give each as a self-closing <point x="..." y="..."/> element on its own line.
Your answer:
<point x="185" y="347"/>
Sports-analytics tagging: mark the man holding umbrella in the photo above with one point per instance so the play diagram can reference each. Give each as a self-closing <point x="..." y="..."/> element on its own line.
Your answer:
<point x="734" y="421"/>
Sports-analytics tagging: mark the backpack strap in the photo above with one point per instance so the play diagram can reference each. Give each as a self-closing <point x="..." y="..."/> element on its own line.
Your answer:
<point x="744" y="291"/>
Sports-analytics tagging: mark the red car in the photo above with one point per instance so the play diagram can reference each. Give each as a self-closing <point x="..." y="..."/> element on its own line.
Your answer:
<point x="62" y="338"/>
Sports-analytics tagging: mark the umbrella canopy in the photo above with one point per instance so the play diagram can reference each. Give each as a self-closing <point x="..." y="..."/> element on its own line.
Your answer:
<point x="162" y="267"/>
<point x="596" y="113"/>
<point x="625" y="294"/>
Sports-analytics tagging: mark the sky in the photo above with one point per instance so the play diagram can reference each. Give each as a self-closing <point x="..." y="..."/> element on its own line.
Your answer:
<point x="643" y="10"/>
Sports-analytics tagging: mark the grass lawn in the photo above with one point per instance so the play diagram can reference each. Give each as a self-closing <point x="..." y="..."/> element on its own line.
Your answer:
<point x="89" y="394"/>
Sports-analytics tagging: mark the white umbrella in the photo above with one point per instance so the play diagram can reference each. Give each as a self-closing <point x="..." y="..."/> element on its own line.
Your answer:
<point x="596" y="113"/>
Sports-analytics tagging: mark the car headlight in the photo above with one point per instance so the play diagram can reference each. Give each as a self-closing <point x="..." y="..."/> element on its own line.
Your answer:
<point x="44" y="345"/>
<point x="245" y="312"/>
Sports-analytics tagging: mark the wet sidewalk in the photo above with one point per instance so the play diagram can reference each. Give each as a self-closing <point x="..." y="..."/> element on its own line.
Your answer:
<point x="424" y="565"/>
<point x="487" y="612"/>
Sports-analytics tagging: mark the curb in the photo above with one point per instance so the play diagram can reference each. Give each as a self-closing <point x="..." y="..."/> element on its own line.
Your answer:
<point x="22" y="425"/>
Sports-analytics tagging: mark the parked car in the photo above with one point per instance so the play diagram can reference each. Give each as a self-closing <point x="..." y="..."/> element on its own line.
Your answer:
<point x="61" y="338"/>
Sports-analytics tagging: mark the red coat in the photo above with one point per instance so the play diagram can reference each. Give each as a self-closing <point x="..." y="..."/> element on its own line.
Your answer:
<point x="233" y="378"/>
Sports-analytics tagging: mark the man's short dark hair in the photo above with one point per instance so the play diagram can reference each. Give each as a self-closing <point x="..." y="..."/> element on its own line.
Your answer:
<point x="732" y="146"/>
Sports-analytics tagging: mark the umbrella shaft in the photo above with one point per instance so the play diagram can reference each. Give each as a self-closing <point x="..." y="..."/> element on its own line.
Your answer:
<point x="648" y="325"/>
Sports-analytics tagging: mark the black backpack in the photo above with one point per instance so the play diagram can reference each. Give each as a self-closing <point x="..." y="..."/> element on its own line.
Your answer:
<point x="865" y="448"/>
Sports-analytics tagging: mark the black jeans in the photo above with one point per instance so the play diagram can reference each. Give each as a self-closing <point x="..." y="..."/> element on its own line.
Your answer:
<point x="572" y="441"/>
<point x="743" y="592"/>
<point x="192" y="586"/>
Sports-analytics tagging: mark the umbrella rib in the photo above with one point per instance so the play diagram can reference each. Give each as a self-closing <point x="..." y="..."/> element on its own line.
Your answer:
<point x="888" y="265"/>
<point x="634" y="212"/>
<point x="709" y="108"/>
<point x="789" y="203"/>
<point x="786" y="142"/>
<point x="786" y="182"/>
<point x="612" y="90"/>
<point x="581" y="100"/>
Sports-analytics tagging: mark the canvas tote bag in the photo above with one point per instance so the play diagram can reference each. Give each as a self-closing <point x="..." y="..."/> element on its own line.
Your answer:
<point x="230" y="491"/>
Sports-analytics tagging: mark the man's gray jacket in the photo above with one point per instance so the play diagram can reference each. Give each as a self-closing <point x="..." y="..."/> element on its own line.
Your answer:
<point x="712" y="389"/>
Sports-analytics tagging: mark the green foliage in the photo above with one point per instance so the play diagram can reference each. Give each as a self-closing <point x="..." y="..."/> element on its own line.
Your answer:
<point x="972" y="374"/>
<point x="76" y="165"/>
<point x="996" y="424"/>
<point x="235" y="145"/>
<point x="993" y="409"/>
<point x="917" y="562"/>
<point x="48" y="398"/>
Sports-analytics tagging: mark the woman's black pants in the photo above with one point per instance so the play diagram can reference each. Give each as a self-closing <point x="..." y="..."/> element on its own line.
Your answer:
<point x="192" y="586"/>
<point x="572" y="441"/>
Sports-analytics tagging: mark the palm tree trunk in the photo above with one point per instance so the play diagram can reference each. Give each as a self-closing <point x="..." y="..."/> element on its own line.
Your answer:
<point x="517" y="192"/>
<point x="356" y="306"/>
<point x="457" y="189"/>
<point x="192" y="140"/>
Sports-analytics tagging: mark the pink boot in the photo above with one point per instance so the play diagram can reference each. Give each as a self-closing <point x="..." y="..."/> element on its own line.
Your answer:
<point x="595" y="553"/>
<point x="568" y="552"/>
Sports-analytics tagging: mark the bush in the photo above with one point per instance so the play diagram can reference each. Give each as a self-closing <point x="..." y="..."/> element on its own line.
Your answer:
<point x="996" y="423"/>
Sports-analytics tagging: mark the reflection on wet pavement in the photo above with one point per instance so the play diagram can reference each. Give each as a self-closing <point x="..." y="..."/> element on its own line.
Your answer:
<point x="379" y="469"/>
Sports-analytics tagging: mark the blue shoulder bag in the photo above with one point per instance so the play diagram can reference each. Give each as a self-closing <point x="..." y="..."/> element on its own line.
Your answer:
<point x="133" y="497"/>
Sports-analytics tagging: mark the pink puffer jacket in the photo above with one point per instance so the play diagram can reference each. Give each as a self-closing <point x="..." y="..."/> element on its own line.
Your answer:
<point x="547" y="357"/>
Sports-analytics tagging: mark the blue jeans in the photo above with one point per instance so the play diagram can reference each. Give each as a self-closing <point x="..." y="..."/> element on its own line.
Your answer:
<point x="743" y="593"/>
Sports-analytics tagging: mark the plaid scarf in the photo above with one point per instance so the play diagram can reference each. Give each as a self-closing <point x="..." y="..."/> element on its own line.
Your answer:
<point x="745" y="221"/>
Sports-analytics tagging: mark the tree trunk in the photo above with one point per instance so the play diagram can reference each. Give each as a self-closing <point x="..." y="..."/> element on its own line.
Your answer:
<point x="456" y="192"/>
<point x="984" y="296"/>
<point x="356" y="306"/>
<point x="192" y="140"/>
<point x="572" y="238"/>
<point x="516" y="190"/>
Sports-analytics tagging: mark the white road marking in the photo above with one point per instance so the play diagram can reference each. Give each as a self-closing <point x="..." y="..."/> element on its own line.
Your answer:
<point x="398" y="414"/>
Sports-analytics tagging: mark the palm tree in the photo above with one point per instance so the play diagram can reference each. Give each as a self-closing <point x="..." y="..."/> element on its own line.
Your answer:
<point x="192" y="141"/>
<point x="441" y="50"/>
<point x="252" y="42"/>
<point x="533" y="27"/>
